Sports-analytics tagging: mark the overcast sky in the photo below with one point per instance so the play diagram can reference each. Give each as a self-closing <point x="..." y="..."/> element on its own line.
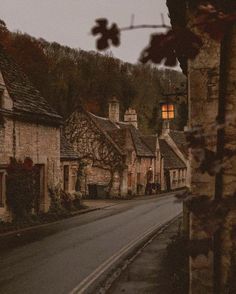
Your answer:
<point x="69" y="21"/>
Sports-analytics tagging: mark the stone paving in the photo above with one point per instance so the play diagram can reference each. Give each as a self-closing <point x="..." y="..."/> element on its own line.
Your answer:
<point x="145" y="274"/>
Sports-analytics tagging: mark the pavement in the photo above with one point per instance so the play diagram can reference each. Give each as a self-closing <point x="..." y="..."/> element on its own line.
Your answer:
<point x="145" y="273"/>
<point x="67" y="256"/>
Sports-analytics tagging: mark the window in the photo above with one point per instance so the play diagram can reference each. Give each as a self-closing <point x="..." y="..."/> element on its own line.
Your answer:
<point x="40" y="184"/>
<point x="73" y="178"/>
<point x="168" y="111"/>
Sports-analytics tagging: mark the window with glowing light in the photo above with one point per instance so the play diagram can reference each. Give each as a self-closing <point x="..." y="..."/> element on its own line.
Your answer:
<point x="168" y="111"/>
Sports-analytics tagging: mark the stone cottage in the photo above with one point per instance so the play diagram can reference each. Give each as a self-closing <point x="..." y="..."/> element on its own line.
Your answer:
<point x="29" y="127"/>
<point x="174" y="149"/>
<point x="117" y="158"/>
<point x="175" y="170"/>
<point x="212" y="129"/>
<point x="152" y="141"/>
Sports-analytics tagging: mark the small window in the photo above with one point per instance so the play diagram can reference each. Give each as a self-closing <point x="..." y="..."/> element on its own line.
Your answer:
<point x="168" y="111"/>
<point x="73" y="178"/>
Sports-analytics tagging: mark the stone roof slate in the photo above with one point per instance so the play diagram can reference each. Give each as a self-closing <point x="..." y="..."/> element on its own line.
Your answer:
<point x="106" y="125"/>
<point x="27" y="101"/>
<point x="140" y="146"/>
<point x="151" y="142"/>
<point x="66" y="150"/>
<point x="171" y="159"/>
<point x="180" y="140"/>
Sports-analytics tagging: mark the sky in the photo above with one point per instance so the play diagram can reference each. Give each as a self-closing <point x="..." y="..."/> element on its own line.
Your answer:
<point x="69" y="22"/>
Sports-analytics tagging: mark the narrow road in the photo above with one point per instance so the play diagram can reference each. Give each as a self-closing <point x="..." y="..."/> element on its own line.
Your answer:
<point x="58" y="258"/>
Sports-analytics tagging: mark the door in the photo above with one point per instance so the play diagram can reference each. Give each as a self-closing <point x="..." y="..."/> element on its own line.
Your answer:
<point x="66" y="178"/>
<point x="129" y="180"/>
<point x="40" y="187"/>
<point x="167" y="180"/>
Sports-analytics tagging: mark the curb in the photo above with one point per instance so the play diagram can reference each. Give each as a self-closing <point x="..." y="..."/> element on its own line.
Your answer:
<point x="101" y="275"/>
<point x="111" y="279"/>
<point x="27" y="229"/>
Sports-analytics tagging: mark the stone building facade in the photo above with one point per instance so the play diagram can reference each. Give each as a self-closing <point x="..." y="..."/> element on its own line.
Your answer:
<point x="174" y="149"/>
<point x="28" y="128"/>
<point x="115" y="153"/>
<point x="69" y="166"/>
<point x="212" y="121"/>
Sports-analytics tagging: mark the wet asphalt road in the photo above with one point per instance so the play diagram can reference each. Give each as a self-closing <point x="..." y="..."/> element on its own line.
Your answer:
<point x="55" y="259"/>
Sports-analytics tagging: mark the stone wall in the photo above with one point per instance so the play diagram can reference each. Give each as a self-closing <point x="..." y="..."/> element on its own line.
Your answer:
<point x="204" y="94"/>
<point x="40" y="143"/>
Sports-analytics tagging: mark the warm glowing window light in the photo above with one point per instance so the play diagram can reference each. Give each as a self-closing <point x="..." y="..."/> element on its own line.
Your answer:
<point x="168" y="111"/>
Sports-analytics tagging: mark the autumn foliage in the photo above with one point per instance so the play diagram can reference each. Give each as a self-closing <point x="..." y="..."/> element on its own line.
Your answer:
<point x="176" y="43"/>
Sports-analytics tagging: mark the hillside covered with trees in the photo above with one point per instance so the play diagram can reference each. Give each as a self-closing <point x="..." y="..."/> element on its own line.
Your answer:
<point x="67" y="76"/>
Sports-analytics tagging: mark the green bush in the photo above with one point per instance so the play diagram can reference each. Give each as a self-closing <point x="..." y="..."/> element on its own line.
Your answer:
<point x="21" y="188"/>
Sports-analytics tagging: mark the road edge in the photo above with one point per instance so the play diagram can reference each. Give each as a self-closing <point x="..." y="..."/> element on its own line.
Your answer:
<point x="101" y="276"/>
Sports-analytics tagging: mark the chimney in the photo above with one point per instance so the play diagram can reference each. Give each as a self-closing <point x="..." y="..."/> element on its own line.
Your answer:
<point x="114" y="109"/>
<point x="165" y="127"/>
<point x="131" y="117"/>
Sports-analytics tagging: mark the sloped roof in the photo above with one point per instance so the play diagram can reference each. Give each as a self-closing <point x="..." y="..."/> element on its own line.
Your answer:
<point x="66" y="151"/>
<point x="27" y="101"/>
<point x="151" y="142"/>
<point x="104" y="123"/>
<point x="141" y="148"/>
<point x="180" y="140"/>
<point x="119" y="137"/>
<point x="171" y="159"/>
<point x="110" y="128"/>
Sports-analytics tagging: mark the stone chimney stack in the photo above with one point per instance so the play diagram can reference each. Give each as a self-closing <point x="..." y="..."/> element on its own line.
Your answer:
<point x="114" y="109"/>
<point x="131" y="117"/>
<point x="165" y="127"/>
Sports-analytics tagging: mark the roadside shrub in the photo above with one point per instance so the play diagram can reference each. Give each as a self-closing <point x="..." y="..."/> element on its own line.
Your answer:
<point x="67" y="200"/>
<point x="55" y="196"/>
<point x="63" y="202"/>
<point x="21" y="189"/>
<point x="77" y="200"/>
